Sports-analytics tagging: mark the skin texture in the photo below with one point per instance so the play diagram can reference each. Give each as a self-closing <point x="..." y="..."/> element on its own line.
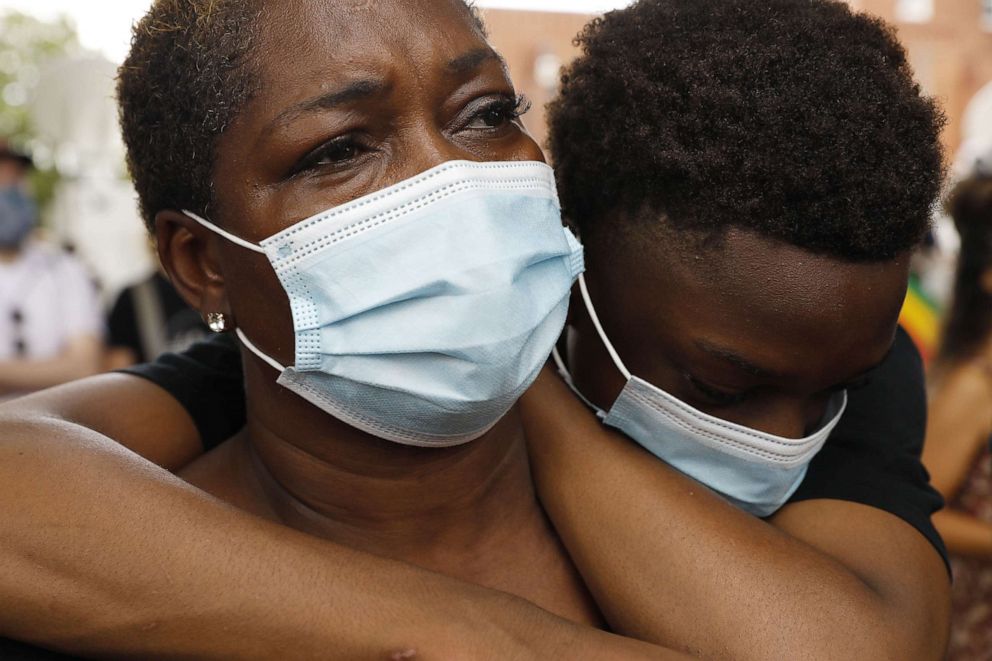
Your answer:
<point x="821" y="579"/>
<point x="96" y="561"/>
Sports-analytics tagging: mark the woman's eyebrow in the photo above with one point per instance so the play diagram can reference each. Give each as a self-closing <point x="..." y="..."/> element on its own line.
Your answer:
<point x="355" y="91"/>
<point x="472" y="60"/>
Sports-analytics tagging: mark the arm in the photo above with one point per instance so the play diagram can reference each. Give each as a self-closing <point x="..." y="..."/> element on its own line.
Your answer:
<point x="80" y="358"/>
<point x="670" y="562"/>
<point x="959" y="427"/>
<point x="86" y="522"/>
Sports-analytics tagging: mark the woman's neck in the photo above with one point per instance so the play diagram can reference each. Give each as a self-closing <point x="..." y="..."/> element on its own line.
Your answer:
<point x="321" y="476"/>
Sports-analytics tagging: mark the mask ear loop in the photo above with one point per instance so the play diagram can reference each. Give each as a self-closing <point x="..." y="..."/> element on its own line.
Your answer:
<point x="599" y="329"/>
<point x="258" y="352"/>
<point x="224" y="233"/>
<point x="272" y="362"/>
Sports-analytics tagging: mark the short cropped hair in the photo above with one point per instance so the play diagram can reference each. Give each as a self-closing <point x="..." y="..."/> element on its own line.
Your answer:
<point x="190" y="72"/>
<point x="796" y="119"/>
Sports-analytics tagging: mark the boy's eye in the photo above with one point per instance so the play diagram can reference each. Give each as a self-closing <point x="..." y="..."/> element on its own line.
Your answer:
<point x="714" y="396"/>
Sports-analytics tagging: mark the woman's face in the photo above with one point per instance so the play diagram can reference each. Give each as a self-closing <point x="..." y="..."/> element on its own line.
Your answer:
<point x="354" y="96"/>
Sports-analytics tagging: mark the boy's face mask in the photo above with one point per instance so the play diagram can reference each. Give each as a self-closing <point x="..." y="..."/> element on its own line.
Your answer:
<point x="754" y="470"/>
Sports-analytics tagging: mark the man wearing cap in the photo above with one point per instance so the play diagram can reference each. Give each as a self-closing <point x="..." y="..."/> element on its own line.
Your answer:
<point x="50" y="318"/>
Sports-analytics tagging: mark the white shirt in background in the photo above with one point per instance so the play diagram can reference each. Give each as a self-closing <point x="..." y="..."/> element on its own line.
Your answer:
<point x="46" y="298"/>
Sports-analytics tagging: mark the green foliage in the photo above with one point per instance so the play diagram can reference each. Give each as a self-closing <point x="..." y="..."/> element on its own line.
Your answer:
<point x="27" y="45"/>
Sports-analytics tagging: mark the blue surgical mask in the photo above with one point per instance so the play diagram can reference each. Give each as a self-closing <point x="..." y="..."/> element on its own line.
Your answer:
<point x="423" y="311"/>
<point x="751" y="469"/>
<point x="17" y="217"/>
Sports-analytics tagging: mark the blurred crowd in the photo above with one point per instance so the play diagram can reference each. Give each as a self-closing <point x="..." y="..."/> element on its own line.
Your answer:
<point x="54" y="325"/>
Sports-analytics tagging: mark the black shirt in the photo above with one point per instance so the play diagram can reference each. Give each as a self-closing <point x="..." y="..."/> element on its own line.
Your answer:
<point x="872" y="457"/>
<point x="150" y="318"/>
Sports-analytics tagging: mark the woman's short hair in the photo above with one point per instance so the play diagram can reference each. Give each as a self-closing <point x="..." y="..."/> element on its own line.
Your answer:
<point x="189" y="73"/>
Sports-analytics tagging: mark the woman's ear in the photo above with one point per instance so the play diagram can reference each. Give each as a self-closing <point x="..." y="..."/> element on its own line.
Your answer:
<point x="188" y="254"/>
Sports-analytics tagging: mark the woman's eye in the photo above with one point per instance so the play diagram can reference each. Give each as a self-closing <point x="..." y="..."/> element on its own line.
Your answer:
<point x="336" y="152"/>
<point x="499" y="112"/>
<point x="714" y="396"/>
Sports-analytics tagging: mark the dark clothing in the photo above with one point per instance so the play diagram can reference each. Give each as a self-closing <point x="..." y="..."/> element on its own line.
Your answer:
<point x="207" y="380"/>
<point x="150" y="318"/>
<point x="872" y="457"/>
<point x="11" y="650"/>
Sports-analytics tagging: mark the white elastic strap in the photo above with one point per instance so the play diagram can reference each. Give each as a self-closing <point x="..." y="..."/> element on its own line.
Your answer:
<point x="599" y="329"/>
<point x="566" y="376"/>
<point x="224" y="233"/>
<point x="560" y="363"/>
<point x="255" y="350"/>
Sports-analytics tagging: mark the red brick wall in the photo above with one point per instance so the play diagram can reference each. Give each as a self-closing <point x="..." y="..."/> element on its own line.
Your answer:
<point x="522" y="36"/>
<point x="951" y="54"/>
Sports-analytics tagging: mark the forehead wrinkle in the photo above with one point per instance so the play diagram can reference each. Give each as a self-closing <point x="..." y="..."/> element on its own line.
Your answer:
<point x="471" y="61"/>
<point x="356" y="91"/>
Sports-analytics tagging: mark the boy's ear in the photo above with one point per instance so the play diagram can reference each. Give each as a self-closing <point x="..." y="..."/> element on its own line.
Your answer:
<point x="188" y="254"/>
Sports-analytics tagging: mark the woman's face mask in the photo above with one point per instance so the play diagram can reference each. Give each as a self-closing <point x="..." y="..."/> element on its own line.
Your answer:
<point x="423" y="311"/>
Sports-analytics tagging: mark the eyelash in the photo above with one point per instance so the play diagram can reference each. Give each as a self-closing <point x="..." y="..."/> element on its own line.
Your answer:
<point x="317" y="157"/>
<point x="717" y="397"/>
<point x="714" y="396"/>
<point x="509" y="108"/>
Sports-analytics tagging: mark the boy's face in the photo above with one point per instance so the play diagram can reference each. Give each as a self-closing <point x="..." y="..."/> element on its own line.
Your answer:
<point x="752" y="330"/>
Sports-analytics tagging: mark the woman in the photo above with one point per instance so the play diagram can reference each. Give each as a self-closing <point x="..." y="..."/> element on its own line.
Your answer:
<point x="689" y="598"/>
<point x="959" y="433"/>
<point x="464" y="267"/>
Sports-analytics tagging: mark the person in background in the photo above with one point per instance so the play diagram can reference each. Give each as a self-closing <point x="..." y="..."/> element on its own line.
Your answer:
<point x="148" y="319"/>
<point x="50" y="315"/>
<point x="957" y="450"/>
